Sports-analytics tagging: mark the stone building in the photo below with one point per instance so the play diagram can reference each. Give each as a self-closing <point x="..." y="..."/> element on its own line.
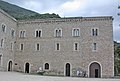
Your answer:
<point x="62" y="46"/>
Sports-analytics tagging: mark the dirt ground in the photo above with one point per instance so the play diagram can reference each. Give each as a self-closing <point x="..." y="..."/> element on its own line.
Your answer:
<point x="14" y="76"/>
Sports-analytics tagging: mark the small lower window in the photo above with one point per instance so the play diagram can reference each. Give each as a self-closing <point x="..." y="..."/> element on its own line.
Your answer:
<point x="76" y="46"/>
<point x="0" y="59"/>
<point x="2" y="42"/>
<point x="57" y="46"/>
<point x="46" y="66"/>
<point x="94" y="46"/>
<point x="21" y="47"/>
<point x="37" y="47"/>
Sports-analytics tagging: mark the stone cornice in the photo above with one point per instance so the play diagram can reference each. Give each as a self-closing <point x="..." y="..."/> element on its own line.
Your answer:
<point x="70" y="19"/>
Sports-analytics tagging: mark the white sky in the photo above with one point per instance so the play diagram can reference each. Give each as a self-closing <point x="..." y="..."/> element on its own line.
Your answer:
<point x="75" y="8"/>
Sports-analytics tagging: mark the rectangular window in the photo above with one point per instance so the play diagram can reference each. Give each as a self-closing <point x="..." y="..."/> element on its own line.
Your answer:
<point x="21" y="47"/>
<point x="57" y="46"/>
<point x="76" y="46"/>
<point x="76" y="32"/>
<point x="38" y="33"/>
<point x="94" y="32"/>
<point x="94" y="46"/>
<point x="37" y="46"/>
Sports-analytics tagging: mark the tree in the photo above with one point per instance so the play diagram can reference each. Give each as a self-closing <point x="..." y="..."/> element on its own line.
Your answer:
<point x="117" y="58"/>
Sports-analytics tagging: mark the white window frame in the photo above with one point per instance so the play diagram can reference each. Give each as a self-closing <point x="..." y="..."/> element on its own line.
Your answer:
<point x="0" y="59"/>
<point x="40" y="34"/>
<point x="22" y="33"/>
<point x="36" y="46"/>
<point x="2" y="43"/>
<point x="20" y="46"/>
<point x="94" y="46"/>
<point x="12" y="34"/>
<point x="93" y="32"/>
<point x="5" y="27"/>
<point x="74" y="46"/>
<point x="56" y="34"/>
<point x="12" y="46"/>
<point x="56" y="46"/>
<point x="49" y="66"/>
<point x="74" y="34"/>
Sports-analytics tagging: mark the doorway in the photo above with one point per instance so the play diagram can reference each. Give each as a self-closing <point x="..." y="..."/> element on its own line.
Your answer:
<point x="10" y="66"/>
<point x="27" y="65"/>
<point x="95" y="70"/>
<point x="67" y="69"/>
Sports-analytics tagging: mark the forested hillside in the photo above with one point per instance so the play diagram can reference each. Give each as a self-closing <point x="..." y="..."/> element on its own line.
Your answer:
<point x="22" y="14"/>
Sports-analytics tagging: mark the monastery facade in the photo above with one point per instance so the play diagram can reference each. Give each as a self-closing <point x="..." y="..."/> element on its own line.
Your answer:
<point x="61" y="46"/>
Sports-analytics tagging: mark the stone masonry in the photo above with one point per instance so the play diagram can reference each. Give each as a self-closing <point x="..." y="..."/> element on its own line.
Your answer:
<point x="97" y="50"/>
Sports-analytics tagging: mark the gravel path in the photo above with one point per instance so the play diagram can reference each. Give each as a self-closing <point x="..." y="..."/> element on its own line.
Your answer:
<point x="14" y="76"/>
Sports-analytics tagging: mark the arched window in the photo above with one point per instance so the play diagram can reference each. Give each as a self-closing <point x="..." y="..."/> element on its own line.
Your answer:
<point x="38" y="33"/>
<point x="76" y="32"/>
<point x="46" y="66"/>
<point x="12" y="32"/>
<point x="22" y="33"/>
<point x="58" y="32"/>
<point x="3" y="27"/>
<point x="95" y="32"/>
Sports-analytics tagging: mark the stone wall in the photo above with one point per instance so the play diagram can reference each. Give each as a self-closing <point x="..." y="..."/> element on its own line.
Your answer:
<point x="82" y="58"/>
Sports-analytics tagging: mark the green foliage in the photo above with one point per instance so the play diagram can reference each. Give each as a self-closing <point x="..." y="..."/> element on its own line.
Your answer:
<point x="117" y="57"/>
<point x="22" y="14"/>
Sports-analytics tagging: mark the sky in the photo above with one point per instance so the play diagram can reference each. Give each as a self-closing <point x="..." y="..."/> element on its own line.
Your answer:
<point x="76" y="8"/>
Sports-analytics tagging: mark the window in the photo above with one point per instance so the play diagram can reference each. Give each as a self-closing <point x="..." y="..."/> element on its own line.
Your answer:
<point x="2" y="42"/>
<point x="21" y="47"/>
<point x="94" y="46"/>
<point x="22" y="33"/>
<point x="38" y="33"/>
<point x="76" y="32"/>
<point x="37" y="46"/>
<point x="76" y="46"/>
<point x="0" y="59"/>
<point x="57" y="46"/>
<point x="3" y="28"/>
<point x="12" y="33"/>
<point x="58" y="32"/>
<point x="95" y="32"/>
<point x="12" y="46"/>
<point x="46" y="66"/>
